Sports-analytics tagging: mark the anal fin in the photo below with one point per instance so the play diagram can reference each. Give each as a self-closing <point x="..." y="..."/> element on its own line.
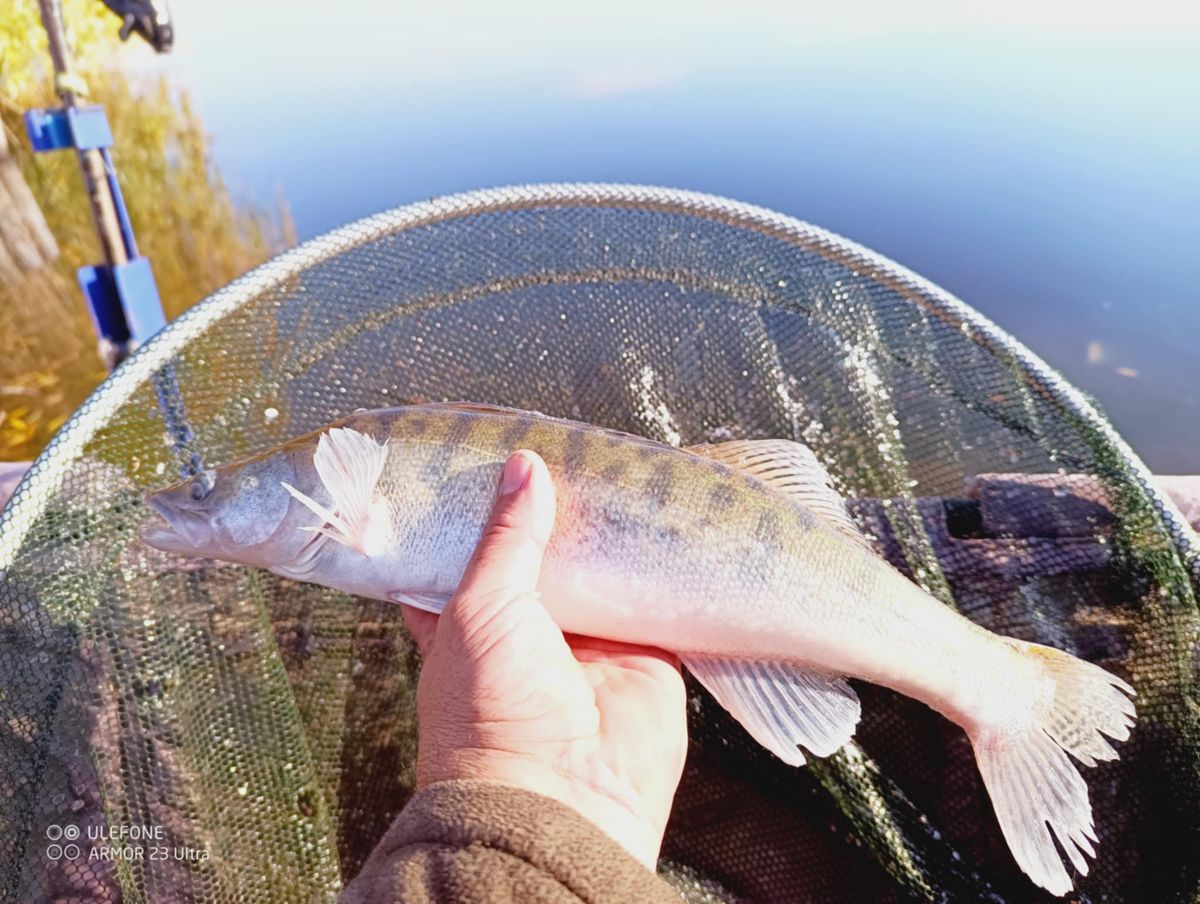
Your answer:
<point x="781" y="705"/>
<point x="349" y="464"/>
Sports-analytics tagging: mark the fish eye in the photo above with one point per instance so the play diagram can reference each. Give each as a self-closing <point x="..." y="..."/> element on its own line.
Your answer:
<point x="201" y="486"/>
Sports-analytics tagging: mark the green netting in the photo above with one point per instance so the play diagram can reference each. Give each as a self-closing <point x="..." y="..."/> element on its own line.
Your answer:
<point x="262" y="733"/>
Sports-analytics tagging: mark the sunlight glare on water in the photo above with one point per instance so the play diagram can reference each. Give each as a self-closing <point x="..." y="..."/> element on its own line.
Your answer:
<point x="1035" y="159"/>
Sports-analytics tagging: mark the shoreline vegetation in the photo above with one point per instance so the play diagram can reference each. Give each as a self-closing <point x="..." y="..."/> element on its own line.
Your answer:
<point x="196" y="233"/>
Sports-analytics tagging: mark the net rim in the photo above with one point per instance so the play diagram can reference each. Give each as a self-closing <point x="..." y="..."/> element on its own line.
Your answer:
<point x="41" y="481"/>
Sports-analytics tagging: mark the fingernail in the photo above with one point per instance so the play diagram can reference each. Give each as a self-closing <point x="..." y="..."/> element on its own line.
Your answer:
<point x="516" y="474"/>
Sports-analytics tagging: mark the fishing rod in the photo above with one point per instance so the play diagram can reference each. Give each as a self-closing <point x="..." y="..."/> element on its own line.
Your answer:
<point x="121" y="292"/>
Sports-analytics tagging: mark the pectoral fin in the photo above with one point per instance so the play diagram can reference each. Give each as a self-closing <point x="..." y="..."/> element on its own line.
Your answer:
<point x="349" y="464"/>
<point x="781" y="705"/>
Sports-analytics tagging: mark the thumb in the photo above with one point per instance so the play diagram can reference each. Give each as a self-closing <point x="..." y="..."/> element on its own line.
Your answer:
<point x="500" y="583"/>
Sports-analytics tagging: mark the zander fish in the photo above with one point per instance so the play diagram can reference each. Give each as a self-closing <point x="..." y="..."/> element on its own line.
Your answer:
<point x="738" y="557"/>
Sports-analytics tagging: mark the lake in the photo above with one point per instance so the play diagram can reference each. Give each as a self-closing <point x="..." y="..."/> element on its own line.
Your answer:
<point x="1045" y="174"/>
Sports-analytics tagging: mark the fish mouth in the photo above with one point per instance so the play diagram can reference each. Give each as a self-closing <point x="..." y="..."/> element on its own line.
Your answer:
<point x="175" y="529"/>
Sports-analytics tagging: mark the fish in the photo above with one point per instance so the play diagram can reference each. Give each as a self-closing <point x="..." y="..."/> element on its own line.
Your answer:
<point x="739" y="557"/>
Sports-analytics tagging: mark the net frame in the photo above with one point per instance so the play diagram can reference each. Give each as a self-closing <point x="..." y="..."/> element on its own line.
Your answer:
<point x="46" y="477"/>
<point x="82" y="426"/>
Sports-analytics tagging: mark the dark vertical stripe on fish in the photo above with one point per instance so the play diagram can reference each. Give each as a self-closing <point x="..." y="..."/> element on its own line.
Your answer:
<point x="721" y="498"/>
<point x="368" y="422"/>
<point x="457" y="428"/>
<point x="660" y="485"/>
<point x="514" y="433"/>
<point x="575" y="450"/>
<point x="416" y="425"/>
<point x="766" y="531"/>
<point x="614" y="471"/>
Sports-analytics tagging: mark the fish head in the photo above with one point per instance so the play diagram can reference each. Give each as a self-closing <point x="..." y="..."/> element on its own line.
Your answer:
<point x="240" y="512"/>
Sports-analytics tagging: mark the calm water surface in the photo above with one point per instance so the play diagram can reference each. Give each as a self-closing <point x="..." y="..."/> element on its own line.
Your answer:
<point x="1047" y="178"/>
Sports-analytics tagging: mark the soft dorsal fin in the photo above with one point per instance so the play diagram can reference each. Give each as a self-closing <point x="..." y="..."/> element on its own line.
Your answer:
<point x="349" y="463"/>
<point x="789" y="468"/>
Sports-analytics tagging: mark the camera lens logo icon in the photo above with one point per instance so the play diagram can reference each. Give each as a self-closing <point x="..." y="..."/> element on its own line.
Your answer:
<point x="62" y="833"/>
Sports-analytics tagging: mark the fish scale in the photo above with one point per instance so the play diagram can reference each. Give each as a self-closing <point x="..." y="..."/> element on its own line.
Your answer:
<point x="738" y="557"/>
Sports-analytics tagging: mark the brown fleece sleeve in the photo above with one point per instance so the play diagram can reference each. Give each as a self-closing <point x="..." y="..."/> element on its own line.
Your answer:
<point x="482" y="842"/>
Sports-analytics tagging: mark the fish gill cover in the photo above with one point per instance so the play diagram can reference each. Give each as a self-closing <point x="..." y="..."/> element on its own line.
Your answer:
<point x="253" y="736"/>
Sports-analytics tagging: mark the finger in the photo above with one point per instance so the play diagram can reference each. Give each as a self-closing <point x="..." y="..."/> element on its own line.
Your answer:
<point x="598" y="649"/>
<point x="504" y="569"/>
<point x="421" y="625"/>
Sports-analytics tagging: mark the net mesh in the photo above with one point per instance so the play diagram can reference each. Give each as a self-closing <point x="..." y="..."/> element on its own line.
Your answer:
<point x="209" y="732"/>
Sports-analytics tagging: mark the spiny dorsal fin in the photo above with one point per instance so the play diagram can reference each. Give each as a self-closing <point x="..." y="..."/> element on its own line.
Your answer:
<point x="502" y="411"/>
<point x="780" y="704"/>
<point x="789" y="468"/>
<point x="478" y="408"/>
<point x="349" y="463"/>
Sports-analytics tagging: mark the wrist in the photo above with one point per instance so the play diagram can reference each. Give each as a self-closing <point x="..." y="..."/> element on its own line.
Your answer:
<point x="602" y="798"/>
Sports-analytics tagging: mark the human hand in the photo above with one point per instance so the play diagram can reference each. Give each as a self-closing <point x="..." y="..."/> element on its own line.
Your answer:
<point x="505" y="697"/>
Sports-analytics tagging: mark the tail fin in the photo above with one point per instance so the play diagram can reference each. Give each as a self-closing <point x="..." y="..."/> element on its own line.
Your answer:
<point x="1028" y="775"/>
